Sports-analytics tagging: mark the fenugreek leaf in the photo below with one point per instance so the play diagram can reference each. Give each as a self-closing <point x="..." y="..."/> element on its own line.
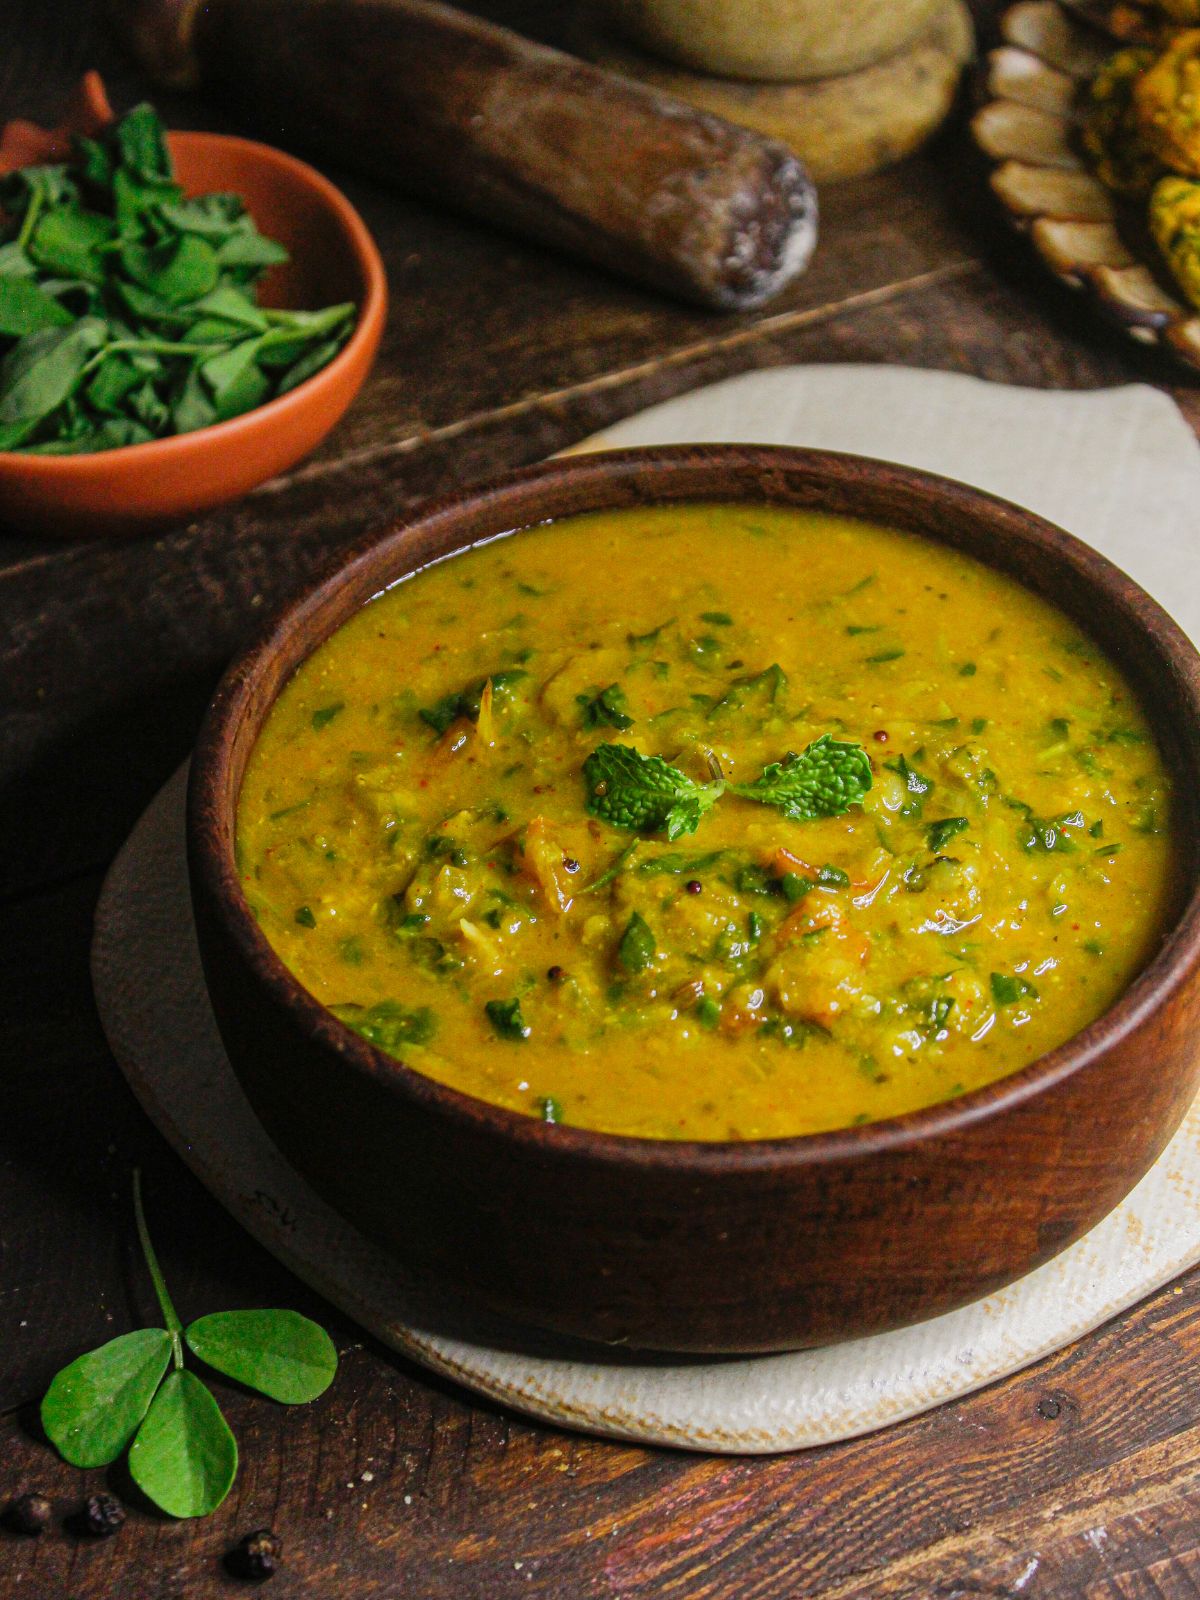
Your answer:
<point x="193" y="407"/>
<point x="940" y="833"/>
<point x="14" y="263"/>
<point x="388" y="1024"/>
<point x="93" y="1407"/>
<point x="68" y="243"/>
<point x="184" y="1457"/>
<point x="212" y="216"/>
<point x="505" y="1017"/>
<point x="636" y="949"/>
<point x="606" y="708"/>
<point x="141" y="142"/>
<point x="24" y="308"/>
<point x="43" y="368"/>
<point x="177" y="270"/>
<point x="110" y="434"/>
<point x="280" y="1353"/>
<point x="250" y="249"/>
<point x="314" y="358"/>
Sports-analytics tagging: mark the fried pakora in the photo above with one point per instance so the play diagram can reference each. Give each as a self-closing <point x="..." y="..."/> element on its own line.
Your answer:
<point x="1144" y="24"/>
<point x="1175" y="224"/>
<point x="1166" y="101"/>
<point x="1111" y="134"/>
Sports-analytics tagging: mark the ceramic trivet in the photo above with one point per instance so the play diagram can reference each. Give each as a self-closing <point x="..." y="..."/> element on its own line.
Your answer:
<point x="1119" y="466"/>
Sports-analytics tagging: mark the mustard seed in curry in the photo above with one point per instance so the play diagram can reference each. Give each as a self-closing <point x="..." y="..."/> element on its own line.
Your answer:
<point x="709" y="822"/>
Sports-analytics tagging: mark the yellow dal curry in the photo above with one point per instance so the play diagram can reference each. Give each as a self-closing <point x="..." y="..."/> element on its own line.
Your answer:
<point x="709" y="822"/>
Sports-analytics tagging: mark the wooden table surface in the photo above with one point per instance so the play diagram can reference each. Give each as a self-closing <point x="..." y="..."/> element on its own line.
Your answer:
<point x="1080" y="1477"/>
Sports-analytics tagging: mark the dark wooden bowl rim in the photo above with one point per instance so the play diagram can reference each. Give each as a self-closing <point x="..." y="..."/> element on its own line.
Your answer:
<point x="211" y="830"/>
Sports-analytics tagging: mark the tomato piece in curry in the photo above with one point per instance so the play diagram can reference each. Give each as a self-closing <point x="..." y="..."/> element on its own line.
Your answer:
<point x="907" y="829"/>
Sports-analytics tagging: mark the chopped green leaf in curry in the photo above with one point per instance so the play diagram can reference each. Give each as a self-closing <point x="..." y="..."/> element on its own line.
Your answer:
<point x="616" y="822"/>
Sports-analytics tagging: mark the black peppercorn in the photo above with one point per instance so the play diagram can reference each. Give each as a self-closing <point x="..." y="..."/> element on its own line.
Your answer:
<point x="102" y="1515"/>
<point x="257" y="1555"/>
<point x="555" y="974"/>
<point x="570" y="864"/>
<point x="28" y="1513"/>
<point x="694" y="886"/>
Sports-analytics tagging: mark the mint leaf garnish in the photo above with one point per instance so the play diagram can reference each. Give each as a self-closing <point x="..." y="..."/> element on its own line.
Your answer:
<point x="824" y="780"/>
<point x="643" y="793"/>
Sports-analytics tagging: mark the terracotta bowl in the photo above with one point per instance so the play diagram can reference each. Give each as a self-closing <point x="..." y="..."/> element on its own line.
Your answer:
<point x="116" y="493"/>
<point x="712" y="1247"/>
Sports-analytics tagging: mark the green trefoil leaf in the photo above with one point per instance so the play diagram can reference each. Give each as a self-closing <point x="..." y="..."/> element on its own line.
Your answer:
<point x="93" y="1407"/>
<point x="184" y="1457"/>
<point x="280" y="1353"/>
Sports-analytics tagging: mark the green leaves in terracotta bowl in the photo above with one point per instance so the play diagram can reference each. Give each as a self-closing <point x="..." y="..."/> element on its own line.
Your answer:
<point x="129" y="311"/>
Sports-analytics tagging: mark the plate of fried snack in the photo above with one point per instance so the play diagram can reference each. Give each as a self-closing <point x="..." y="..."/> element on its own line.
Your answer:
<point x="1090" y="119"/>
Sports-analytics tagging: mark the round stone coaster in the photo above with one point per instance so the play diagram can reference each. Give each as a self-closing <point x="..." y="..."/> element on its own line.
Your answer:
<point x="773" y="40"/>
<point x="841" y="127"/>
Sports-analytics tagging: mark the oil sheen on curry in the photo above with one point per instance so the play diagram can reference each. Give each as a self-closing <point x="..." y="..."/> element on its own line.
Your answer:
<point x="709" y="822"/>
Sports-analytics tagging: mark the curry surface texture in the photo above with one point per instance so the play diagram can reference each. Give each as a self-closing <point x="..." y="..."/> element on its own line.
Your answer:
<point x="431" y="845"/>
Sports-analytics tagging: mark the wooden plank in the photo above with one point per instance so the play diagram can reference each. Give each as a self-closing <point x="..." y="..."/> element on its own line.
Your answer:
<point x="1081" y="1477"/>
<point x="1078" y="1479"/>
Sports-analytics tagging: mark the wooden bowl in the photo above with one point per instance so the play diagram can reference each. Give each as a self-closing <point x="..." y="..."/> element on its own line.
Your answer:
<point x="712" y="1247"/>
<point x="117" y="493"/>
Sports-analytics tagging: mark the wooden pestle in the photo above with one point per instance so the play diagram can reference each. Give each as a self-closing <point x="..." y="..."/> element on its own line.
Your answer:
<point x="469" y="114"/>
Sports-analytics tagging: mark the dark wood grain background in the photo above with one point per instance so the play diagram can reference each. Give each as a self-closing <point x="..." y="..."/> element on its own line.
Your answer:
<point x="1079" y="1478"/>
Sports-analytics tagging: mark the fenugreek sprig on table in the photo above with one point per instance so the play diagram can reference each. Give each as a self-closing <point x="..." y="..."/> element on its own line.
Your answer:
<point x="182" y="1454"/>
